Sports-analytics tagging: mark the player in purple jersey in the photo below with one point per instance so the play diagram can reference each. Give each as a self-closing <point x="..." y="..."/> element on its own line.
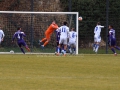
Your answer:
<point x="58" y="37"/>
<point x="20" y="41"/>
<point x="112" y="40"/>
<point x="57" y="40"/>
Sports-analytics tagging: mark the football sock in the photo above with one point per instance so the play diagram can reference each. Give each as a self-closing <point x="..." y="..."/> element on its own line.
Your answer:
<point x="113" y="50"/>
<point x="97" y="47"/>
<point x="94" y="46"/>
<point x="64" y="51"/>
<point x="43" y="40"/>
<point x="74" y="49"/>
<point x="22" y="50"/>
<point x="27" y="49"/>
<point x="58" y="49"/>
<point x="45" y="43"/>
<point x="68" y="46"/>
<point x="70" y="50"/>
<point x="118" y="48"/>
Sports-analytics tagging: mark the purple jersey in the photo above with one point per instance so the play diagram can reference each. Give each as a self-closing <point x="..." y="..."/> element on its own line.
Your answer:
<point x="112" y="39"/>
<point x="58" y="36"/>
<point x="19" y="36"/>
<point x="111" y="34"/>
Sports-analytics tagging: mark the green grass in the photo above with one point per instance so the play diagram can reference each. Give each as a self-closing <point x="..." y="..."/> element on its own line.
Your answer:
<point x="52" y="50"/>
<point x="49" y="72"/>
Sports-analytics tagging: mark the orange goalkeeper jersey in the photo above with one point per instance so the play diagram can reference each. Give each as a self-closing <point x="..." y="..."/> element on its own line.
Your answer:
<point x="51" y="28"/>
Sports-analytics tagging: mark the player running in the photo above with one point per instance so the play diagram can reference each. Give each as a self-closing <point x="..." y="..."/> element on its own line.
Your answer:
<point x="64" y="32"/>
<point x="112" y="40"/>
<point x="72" y="41"/>
<point x="20" y="41"/>
<point x="48" y="33"/>
<point x="1" y="35"/>
<point x="97" y="37"/>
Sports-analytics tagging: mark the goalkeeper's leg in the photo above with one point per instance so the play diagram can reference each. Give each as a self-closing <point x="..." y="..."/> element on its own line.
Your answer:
<point x="43" y="40"/>
<point x="47" y="38"/>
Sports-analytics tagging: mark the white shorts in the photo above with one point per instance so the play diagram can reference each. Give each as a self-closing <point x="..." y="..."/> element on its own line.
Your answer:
<point x="72" y="43"/>
<point x="63" y="41"/>
<point x="97" y="39"/>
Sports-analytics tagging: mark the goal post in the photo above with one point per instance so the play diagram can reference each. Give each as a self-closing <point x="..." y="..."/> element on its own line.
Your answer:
<point x="34" y="25"/>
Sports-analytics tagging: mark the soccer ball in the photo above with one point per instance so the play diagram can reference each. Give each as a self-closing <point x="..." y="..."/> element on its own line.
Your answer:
<point x="11" y="51"/>
<point x="80" y="18"/>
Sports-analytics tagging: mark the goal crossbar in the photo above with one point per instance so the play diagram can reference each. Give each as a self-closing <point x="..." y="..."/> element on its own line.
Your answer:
<point x="28" y="12"/>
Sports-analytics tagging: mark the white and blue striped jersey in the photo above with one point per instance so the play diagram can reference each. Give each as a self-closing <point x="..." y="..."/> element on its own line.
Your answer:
<point x="97" y="30"/>
<point x="72" y="36"/>
<point x="64" y="31"/>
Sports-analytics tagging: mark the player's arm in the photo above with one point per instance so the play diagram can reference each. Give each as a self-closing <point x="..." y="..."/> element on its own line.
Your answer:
<point x="23" y="34"/>
<point x="101" y="26"/>
<point x="58" y="29"/>
<point x="55" y="26"/>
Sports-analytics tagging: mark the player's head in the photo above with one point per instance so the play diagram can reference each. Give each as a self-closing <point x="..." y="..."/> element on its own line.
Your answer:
<point x="110" y="26"/>
<point x="98" y="23"/>
<point x="53" y="22"/>
<point x="65" y="23"/>
<point x="19" y="28"/>
<point x="72" y="29"/>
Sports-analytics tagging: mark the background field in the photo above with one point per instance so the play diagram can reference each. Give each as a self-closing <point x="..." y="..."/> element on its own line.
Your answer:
<point x="49" y="72"/>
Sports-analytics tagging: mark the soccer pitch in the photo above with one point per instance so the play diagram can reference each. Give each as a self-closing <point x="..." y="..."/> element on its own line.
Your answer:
<point x="50" y="72"/>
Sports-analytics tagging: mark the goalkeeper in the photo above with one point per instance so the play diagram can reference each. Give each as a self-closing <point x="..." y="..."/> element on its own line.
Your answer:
<point x="48" y="33"/>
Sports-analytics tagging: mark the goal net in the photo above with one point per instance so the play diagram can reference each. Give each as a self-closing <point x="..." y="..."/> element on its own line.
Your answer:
<point x="34" y="25"/>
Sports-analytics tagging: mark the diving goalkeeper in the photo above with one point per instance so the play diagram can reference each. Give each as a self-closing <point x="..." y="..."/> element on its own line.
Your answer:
<point x="48" y="33"/>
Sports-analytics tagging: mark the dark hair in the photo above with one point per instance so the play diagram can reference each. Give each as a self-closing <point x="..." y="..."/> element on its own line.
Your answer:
<point x="18" y="28"/>
<point x="65" y="23"/>
<point x="111" y="26"/>
<point x="98" y="23"/>
<point x="73" y="29"/>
